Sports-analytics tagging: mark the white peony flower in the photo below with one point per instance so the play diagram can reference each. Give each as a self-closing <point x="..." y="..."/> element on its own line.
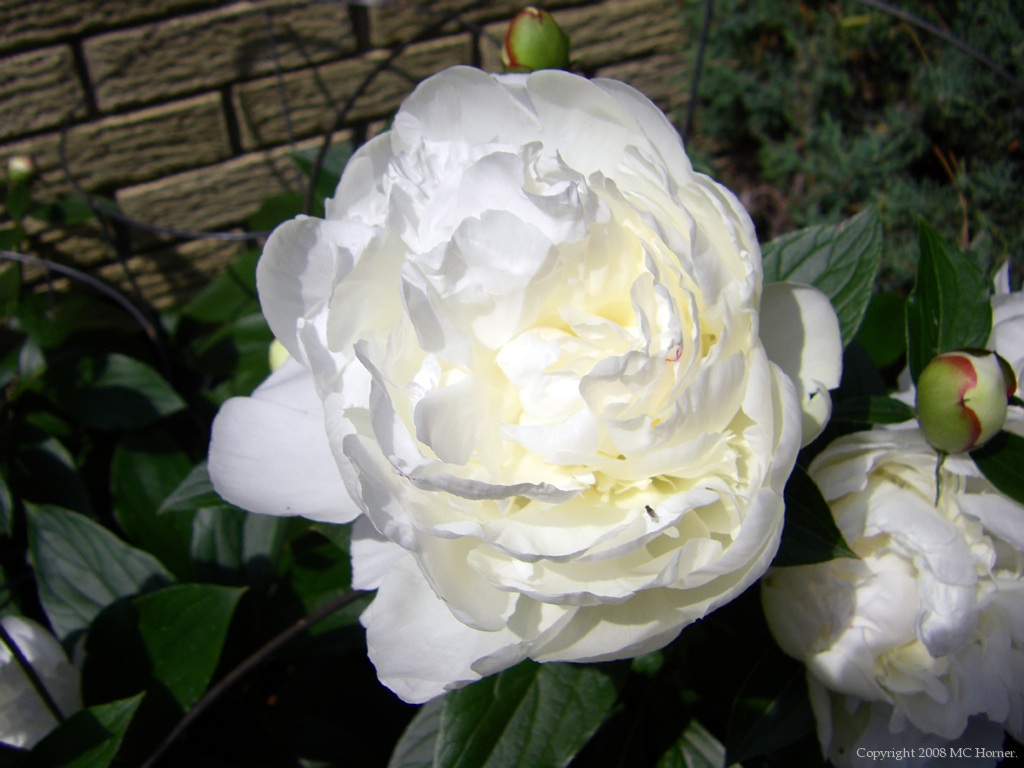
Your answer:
<point x="526" y="349"/>
<point x="24" y="717"/>
<point x="921" y="641"/>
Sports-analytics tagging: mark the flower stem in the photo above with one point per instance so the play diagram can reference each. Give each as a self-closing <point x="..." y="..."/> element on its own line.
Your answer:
<point x="30" y="673"/>
<point x="254" y="660"/>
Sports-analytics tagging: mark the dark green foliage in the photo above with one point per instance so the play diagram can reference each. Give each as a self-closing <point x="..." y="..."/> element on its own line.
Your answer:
<point x="841" y="107"/>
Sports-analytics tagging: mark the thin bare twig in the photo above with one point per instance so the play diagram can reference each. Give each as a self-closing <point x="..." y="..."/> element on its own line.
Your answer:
<point x="100" y="206"/>
<point x="97" y="285"/>
<point x="950" y="38"/>
<point x="950" y="167"/>
<point x="247" y="666"/>
<point x="698" y="67"/>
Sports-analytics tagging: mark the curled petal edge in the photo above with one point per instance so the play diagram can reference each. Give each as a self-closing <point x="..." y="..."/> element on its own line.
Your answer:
<point x="800" y="332"/>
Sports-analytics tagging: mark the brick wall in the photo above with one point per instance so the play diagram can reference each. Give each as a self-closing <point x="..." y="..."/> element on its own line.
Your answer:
<point x="185" y="111"/>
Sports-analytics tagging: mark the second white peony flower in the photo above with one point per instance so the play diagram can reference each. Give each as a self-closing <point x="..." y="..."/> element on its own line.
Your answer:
<point x="526" y="354"/>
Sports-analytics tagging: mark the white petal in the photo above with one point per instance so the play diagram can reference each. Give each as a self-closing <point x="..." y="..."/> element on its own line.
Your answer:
<point x="269" y="453"/>
<point x="448" y="420"/>
<point x="301" y="262"/>
<point x="24" y="718"/>
<point x="999" y="514"/>
<point x="800" y="332"/>
<point x="652" y="121"/>
<point x="653" y="618"/>
<point x="786" y="422"/>
<point x="419" y="648"/>
<point x="464" y="104"/>
<point x="373" y="555"/>
<point x="1008" y="330"/>
<point x="568" y="107"/>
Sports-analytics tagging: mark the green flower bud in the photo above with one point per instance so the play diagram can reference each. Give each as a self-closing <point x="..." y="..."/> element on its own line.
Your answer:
<point x="962" y="398"/>
<point x="534" y="41"/>
<point x="20" y="169"/>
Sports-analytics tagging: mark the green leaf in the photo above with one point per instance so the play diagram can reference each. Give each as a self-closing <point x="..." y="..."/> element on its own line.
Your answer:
<point x="147" y="466"/>
<point x="235" y="547"/>
<point x="19" y="198"/>
<point x="87" y="739"/>
<point x="648" y="664"/>
<point x="238" y="343"/>
<point x="50" y="423"/>
<point x="194" y="492"/>
<point x="51" y="321"/>
<point x="696" y="748"/>
<point x="10" y="284"/>
<point x="876" y="334"/>
<point x="840" y="260"/>
<point x="949" y="307"/>
<point x="11" y="237"/>
<point x="810" y="534"/>
<point x="335" y="160"/>
<point x="530" y="716"/>
<point x="238" y="351"/>
<point x="71" y="210"/>
<point x="45" y="473"/>
<point x="115" y="392"/>
<point x="277" y="208"/>
<point x="230" y="295"/>
<point x="340" y="535"/>
<point x="415" y="749"/>
<point x="1000" y="461"/>
<point x="872" y="409"/>
<point x="319" y="574"/>
<point x="6" y="506"/>
<point x="771" y="709"/>
<point x="167" y="642"/>
<point x="81" y="568"/>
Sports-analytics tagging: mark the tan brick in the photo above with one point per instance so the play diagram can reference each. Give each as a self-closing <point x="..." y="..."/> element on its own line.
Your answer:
<point x="625" y="30"/>
<point x="315" y="96"/>
<point x="211" y="49"/>
<point x="404" y="19"/>
<point x="45" y="21"/>
<point x="610" y="32"/>
<point x="214" y="198"/>
<point x="165" y="277"/>
<point x="171" y="275"/>
<point x="80" y="246"/>
<point x="38" y="90"/>
<point x="127" y="149"/>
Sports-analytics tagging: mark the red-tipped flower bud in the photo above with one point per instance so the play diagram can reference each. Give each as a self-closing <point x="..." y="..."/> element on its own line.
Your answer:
<point x="962" y="399"/>
<point x="534" y="41"/>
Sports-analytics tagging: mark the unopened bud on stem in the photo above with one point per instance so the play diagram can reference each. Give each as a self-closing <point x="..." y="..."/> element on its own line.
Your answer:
<point x="20" y="169"/>
<point x="962" y="399"/>
<point x="534" y="41"/>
